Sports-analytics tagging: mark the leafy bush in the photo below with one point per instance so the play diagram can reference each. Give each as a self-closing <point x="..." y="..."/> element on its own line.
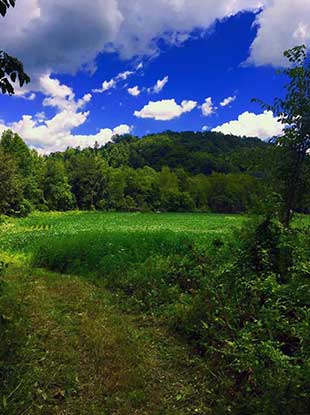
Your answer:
<point x="251" y="322"/>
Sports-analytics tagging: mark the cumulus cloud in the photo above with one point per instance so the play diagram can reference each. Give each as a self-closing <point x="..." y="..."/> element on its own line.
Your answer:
<point x="263" y="125"/>
<point x="135" y="91"/>
<point x="227" y="101"/>
<point x="282" y="24"/>
<point x="35" y="30"/>
<point x="122" y="129"/>
<point x="165" y="110"/>
<point x="59" y="95"/>
<point x="56" y="36"/>
<point x="208" y="108"/>
<point x="55" y="134"/>
<point x="159" y="86"/>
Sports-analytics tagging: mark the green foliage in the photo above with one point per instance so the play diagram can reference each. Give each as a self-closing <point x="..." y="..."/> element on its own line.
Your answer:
<point x="240" y="300"/>
<point x="241" y="180"/>
<point x="294" y="112"/>
<point x="250" y="321"/>
<point x="56" y="189"/>
<point x="11" y="192"/>
<point x="10" y="70"/>
<point x="87" y="178"/>
<point x="13" y="145"/>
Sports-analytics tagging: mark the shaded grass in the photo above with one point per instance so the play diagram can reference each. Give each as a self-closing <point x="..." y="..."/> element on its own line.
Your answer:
<point x="65" y="349"/>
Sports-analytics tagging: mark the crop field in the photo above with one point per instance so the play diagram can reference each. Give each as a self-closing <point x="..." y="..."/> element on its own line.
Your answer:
<point x="117" y="247"/>
<point x="24" y="234"/>
<point x="113" y="243"/>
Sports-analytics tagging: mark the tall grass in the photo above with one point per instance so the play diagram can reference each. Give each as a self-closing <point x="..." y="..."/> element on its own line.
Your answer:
<point x="105" y="254"/>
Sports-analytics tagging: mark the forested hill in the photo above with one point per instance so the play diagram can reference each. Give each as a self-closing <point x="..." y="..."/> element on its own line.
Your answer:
<point x="168" y="172"/>
<point x="195" y="152"/>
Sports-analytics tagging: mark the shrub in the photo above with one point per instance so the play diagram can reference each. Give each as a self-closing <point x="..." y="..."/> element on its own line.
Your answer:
<point x="251" y="323"/>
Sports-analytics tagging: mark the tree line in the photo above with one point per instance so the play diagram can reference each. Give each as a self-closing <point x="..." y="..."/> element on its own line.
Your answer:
<point x="206" y="172"/>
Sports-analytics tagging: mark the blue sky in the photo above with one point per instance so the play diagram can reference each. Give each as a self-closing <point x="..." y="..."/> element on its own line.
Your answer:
<point x="147" y="68"/>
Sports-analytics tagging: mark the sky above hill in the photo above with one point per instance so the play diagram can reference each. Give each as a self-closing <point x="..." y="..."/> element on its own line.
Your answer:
<point x="143" y="66"/>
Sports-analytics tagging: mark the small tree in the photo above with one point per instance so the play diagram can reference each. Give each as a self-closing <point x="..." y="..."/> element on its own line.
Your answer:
<point x="294" y="112"/>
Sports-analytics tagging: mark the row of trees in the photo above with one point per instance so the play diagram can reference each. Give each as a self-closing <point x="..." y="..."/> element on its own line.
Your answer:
<point x="85" y="179"/>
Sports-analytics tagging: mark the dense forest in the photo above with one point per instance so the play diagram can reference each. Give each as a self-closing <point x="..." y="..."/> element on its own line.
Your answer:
<point x="206" y="172"/>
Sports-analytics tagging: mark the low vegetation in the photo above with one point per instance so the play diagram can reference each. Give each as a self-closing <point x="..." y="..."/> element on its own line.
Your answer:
<point x="241" y="311"/>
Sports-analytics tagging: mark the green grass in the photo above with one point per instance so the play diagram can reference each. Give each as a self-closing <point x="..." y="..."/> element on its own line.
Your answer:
<point x="130" y="253"/>
<point x="66" y="349"/>
<point x="69" y="345"/>
<point x="22" y="235"/>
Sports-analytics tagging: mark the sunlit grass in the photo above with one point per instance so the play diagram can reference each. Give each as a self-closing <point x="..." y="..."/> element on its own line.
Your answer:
<point x="24" y="234"/>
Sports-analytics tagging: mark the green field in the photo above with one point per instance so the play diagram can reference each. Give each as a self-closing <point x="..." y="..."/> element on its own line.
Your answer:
<point x="150" y="313"/>
<point x="77" y="320"/>
<point x="23" y="234"/>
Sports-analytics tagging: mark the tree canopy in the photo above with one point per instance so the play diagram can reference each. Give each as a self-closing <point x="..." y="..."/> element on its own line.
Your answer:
<point x="294" y="112"/>
<point x="168" y="172"/>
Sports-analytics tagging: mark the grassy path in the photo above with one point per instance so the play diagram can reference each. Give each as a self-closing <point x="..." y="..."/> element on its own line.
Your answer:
<point x="71" y="351"/>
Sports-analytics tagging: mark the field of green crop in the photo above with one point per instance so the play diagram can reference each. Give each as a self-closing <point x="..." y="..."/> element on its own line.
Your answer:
<point x="24" y="234"/>
<point x="93" y="240"/>
<point x="128" y="252"/>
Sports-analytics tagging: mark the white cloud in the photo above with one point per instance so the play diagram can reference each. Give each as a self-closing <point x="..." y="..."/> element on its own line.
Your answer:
<point x="106" y="85"/>
<point x="207" y="108"/>
<point x="40" y="116"/>
<point x="35" y="31"/>
<point x="165" y="110"/>
<point x="122" y="76"/>
<point x="263" y="125"/>
<point x="283" y="24"/>
<point x="122" y="129"/>
<point x="160" y="84"/>
<point x="55" y="134"/>
<point x="228" y="101"/>
<point x="205" y="128"/>
<point x="135" y="91"/>
<point x="59" y="95"/>
<point x="20" y="93"/>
